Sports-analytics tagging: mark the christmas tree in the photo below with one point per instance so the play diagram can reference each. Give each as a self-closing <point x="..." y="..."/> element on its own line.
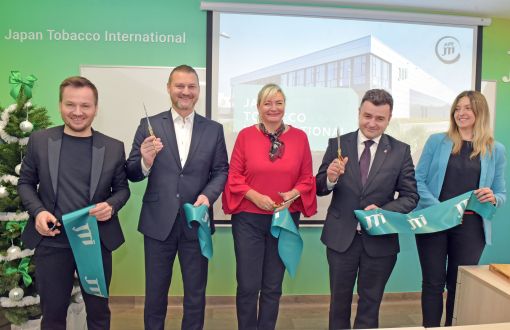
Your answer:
<point x="18" y="296"/>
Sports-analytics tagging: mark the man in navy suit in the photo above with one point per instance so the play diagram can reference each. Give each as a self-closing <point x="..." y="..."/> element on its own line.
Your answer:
<point x="67" y="168"/>
<point x="185" y="162"/>
<point x="373" y="168"/>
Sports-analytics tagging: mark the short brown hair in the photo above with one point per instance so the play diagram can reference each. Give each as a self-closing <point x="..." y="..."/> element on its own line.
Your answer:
<point x="78" y="82"/>
<point x="182" y="68"/>
<point x="378" y="97"/>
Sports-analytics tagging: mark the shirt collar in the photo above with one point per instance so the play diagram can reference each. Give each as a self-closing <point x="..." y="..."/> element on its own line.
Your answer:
<point x="176" y="117"/>
<point x="362" y="138"/>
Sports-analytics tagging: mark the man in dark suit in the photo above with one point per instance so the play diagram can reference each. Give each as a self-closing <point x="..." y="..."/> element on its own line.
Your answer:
<point x="185" y="162"/>
<point x="373" y="167"/>
<point x="65" y="169"/>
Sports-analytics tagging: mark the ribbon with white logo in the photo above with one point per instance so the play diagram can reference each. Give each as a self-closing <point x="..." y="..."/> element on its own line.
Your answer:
<point x="200" y="214"/>
<point x="83" y="234"/>
<point x="290" y="243"/>
<point x="432" y="219"/>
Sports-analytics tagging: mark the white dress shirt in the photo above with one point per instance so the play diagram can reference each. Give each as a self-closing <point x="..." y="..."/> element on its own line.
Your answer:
<point x="183" y="127"/>
<point x="361" y="146"/>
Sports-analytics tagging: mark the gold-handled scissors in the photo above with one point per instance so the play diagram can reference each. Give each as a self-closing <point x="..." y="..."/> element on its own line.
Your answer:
<point x="339" y="150"/>
<point x="290" y="200"/>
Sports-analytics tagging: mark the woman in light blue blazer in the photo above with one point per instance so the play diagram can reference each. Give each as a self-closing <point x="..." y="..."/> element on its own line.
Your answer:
<point x="463" y="159"/>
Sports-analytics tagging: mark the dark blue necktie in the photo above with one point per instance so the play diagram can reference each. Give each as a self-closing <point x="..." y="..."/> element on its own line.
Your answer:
<point x="364" y="161"/>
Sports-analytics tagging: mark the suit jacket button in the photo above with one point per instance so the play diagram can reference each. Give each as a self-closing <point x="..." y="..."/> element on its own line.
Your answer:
<point x="178" y="195"/>
<point x="181" y="175"/>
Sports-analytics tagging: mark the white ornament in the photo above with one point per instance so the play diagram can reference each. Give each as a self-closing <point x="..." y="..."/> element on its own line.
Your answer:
<point x="17" y="169"/>
<point x="16" y="294"/>
<point x="13" y="250"/>
<point x="3" y="192"/>
<point x="26" y="126"/>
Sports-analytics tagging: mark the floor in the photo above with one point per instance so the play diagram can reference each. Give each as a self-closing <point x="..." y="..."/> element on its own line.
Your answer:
<point x="293" y="315"/>
<point x="302" y="316"/>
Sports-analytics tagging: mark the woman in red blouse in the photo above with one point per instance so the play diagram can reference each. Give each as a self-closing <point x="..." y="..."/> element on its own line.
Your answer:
<point x="271" y="162"/>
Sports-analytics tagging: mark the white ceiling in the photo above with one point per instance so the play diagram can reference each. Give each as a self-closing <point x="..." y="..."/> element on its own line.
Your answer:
<point x="478" y="8"/>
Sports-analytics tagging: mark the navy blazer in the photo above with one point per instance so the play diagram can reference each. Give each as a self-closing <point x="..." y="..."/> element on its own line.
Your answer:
<point x="37" y="184"/>
<point x="170" y="185"/>
<point x="392" y="171"/>
<point x="431" y="170"/>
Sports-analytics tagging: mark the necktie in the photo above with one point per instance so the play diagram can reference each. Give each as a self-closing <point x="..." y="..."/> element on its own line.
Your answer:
<point x="364" y="161"/>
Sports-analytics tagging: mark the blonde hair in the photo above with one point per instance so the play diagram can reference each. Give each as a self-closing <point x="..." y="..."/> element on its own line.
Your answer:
<point x="269" y="90"/>
<point x="483" y="141"/>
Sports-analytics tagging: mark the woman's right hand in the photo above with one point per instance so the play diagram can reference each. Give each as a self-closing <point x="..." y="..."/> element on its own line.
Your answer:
<point x="263" y="202"/>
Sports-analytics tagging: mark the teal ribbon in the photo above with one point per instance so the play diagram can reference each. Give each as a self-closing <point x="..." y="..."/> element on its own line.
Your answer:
<point x="83" y="234"/>
<point x="18" y="83"/>
<point x="439" y="217"/>
<point x="200" y="214"/>
<point x="290" y="243"/>
<point x="23" y="270"/>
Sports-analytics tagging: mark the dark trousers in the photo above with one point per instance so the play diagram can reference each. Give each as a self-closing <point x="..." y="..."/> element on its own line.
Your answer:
<point x="441" y="254"/>
<point x="259" y="271"/>
<point x="372" y="274"/>
<point x="159" y="260"/>
<point x="54" y="273"/>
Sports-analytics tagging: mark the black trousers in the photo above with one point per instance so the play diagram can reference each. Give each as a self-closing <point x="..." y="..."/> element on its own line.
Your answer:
<point x="159" y="260"/>
<point x="440" y="255"/>
<point x="259" y="271"/>
<point x="372" y="274"/>
<point x="54" y="273"/>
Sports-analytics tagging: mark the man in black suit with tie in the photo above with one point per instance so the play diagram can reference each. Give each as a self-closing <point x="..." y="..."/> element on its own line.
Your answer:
<point x="185" y="162"/>
<point x="67" y="168"/>
<point x="373" y="167"/>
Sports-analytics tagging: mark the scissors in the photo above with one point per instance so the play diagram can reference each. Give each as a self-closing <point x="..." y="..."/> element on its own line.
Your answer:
<point x="149" y="126"/>
<point x="339" y="150"/>
<point x="290" y="200"/>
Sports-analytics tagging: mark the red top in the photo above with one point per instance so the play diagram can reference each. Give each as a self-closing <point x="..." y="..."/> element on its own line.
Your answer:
<point x="251" y="168"/>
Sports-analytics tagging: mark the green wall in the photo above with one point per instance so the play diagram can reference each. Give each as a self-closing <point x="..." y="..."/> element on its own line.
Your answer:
<point x="51" y="61"/>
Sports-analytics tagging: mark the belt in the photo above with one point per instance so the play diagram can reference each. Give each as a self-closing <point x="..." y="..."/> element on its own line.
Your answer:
<point x="469" y="212"/>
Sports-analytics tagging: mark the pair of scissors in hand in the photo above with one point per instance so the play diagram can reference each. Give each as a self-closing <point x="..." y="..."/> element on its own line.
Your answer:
<point x="149" y="127"/>
<point x="339" y="150"/>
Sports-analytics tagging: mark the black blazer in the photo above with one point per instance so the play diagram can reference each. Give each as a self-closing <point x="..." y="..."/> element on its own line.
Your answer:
<point x="38" y="180"/>
<point x="392" y="171"/>
<point x="170" y="185"/>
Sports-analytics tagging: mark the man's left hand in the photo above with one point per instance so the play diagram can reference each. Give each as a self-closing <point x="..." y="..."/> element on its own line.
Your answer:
<point x="371" y="207"/>
<point x="202" y="200"/>
<point x="102" y="211"/>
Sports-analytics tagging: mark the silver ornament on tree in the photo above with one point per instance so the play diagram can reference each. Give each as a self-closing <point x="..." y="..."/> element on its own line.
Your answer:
<point x="16" y="294"/>
<point x="3" y="192"/>
<point x="13" y="250"/>
<point x="26" y="126"/>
